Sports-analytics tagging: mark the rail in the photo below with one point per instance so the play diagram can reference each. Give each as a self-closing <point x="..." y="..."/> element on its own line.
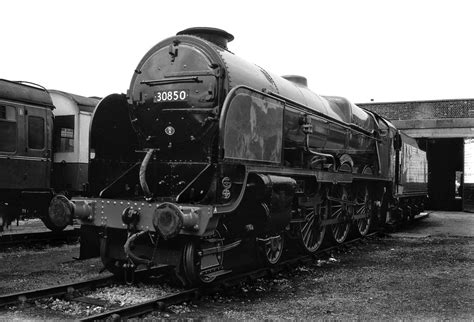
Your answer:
<point x="10" y="240"/>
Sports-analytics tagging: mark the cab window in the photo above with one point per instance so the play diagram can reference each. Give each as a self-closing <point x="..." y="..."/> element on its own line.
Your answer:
<point x="36" y="132"/>
<point x="8" y="126"/>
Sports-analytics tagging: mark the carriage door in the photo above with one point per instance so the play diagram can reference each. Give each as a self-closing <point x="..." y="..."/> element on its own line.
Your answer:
<point x="38" y="146"/>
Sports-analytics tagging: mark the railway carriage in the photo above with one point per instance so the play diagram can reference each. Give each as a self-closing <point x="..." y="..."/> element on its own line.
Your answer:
<point x="26" y="120"/>
<point x="44" y="137"/>
<point x="210" y="164"/>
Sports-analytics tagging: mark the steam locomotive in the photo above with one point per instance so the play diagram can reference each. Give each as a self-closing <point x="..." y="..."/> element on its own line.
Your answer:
<point x="211" y="164"/>
<point x="44" y="149"/>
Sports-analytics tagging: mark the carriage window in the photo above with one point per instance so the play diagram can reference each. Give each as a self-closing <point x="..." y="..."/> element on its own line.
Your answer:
<point x="253" y="128"/>
<point x="64" y="133"/>
<point x="35" y="132"/>
<point x="8" y="135"/>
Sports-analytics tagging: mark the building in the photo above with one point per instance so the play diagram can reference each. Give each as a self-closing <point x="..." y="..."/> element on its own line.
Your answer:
<point x="445" y="128"/>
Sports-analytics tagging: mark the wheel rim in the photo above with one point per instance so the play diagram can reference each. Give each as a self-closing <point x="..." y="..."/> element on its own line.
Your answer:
<point x="192" y="265"/>
<point x="311" y="232"/>
<point x="273" y="249"/>
<point x="365" y="207"/>
<point x="196" y="269"/>
<point x="340" y="210"/>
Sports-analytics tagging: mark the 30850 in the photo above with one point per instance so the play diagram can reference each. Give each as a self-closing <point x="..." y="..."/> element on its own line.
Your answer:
<point x="170" y="96"/>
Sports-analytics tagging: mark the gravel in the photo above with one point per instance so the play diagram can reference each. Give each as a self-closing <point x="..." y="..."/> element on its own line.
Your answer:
<point x="109" y="297"/>
<point x="128" y="295"/>
<point x="33" y="268"/>
<point x="76" y="309"/>
<point x="384" y="279"/>
<point x="393" y="278"/>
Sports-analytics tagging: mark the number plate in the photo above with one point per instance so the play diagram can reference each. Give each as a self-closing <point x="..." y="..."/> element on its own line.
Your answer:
<point x="170" y="96"/>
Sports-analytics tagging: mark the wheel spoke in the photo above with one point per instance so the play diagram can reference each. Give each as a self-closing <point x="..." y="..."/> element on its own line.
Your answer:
<point x="365" y="209"/>
<point x="273" y="249"/>
<point x="341" y="211"/>
<point x="307" y="238"/>
<point x="310" y="231"/>
<point x="305" y="231"/>
<point x="305" y="235"/>
<point x="308" y="224"/>
<point x="309" y="216"/>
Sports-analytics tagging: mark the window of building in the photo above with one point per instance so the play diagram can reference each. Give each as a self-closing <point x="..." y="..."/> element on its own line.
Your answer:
<point x="64" y="133"/>
<point x="35" y="132"/>
<point x="8" y="129"/>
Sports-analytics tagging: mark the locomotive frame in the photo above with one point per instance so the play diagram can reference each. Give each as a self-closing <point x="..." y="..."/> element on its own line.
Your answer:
<point x="209" y="157"/>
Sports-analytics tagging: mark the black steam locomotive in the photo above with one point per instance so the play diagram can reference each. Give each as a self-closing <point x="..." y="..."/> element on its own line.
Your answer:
<point x="44" y="149"/>
<point x="211" y="164"/>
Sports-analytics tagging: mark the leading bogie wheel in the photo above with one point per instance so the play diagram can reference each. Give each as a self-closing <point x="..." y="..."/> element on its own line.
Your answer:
<point x="192" y="265"/>
<point x="198" y="265"/>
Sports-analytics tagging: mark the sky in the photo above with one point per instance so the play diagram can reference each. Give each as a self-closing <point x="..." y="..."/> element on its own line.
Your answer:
<point x="380" y="50"/>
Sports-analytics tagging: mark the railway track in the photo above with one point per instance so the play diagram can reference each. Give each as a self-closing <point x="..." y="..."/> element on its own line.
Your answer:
<point x="19" y="239"/>
<point x="162" y="302"/>
<point x="73" y="290"/>
<point x="61" y="290"/>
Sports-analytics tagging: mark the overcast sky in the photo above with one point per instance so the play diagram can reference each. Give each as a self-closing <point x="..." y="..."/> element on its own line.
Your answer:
<point x="361" y="49"/>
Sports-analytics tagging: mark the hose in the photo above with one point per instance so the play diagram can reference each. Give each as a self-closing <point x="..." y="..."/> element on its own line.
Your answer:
<point x="127" y="249"/>
<point x="142" y="175"/>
